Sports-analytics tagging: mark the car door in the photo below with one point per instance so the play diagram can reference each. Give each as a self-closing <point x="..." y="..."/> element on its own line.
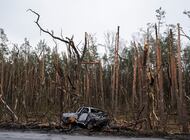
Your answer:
<point x="83" y="115"/>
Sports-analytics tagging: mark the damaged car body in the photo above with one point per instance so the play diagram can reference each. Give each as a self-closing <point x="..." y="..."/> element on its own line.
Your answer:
<point x="87" y="117"/>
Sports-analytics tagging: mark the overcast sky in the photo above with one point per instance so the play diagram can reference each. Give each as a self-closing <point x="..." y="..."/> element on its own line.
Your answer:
<point x="75" y="17"/>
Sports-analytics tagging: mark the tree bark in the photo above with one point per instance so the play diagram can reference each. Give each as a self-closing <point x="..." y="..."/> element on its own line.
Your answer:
<point x="134" y="96"/>
<point x="101" y="84"/>
<point x="172" y="68"/>
<point x="182" y="103"/>
<point x="115" y="75"/>
<point x="159" y="77"/>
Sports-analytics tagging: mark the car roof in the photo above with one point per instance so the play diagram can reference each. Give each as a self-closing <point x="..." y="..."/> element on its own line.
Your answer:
<point x="92" y="107"/>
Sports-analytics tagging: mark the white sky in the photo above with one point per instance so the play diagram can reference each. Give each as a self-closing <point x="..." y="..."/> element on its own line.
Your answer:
<point x="75" y="17"/>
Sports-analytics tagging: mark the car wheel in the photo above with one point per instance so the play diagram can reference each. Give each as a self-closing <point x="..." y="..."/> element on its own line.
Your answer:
<point x="89" y="125"/>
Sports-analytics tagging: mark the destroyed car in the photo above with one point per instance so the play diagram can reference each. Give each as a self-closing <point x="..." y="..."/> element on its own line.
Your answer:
<point x="88" y="117"/>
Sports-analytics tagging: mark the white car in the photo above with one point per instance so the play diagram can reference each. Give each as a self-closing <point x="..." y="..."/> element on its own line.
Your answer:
<point x="88" y="117"/>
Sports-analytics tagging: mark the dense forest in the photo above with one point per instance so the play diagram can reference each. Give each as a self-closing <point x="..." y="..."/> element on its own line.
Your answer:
<point x="146" y="81"/>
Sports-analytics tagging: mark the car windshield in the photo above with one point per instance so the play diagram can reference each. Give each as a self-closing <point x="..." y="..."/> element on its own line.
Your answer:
<point x="96" y="111"/>
<point x="82" y="110"/>
<point x="85" y="110"/>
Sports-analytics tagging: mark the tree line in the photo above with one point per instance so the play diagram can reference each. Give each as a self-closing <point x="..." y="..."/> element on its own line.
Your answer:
<point x="147" y="80"/>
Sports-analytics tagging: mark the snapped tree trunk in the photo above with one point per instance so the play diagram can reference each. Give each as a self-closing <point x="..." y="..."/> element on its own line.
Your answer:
<point x="101" y="84"/>
<point x="134" y="96"/>
<point x="172" y="68"/>
<point x="115" y="75"/>
<point x="182" y="103"/>
<point x="159" y="78"/>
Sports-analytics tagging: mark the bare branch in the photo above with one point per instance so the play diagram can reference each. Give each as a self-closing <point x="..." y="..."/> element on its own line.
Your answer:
<point x="68" y="41"/>
<point x="71" y="43"/>
<point x="46" y="31"/>
<point x="184" y="34"/>
<point x="85" y="47"/>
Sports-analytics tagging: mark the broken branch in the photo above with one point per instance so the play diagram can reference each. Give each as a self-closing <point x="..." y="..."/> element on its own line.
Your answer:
<point x="68" y="41"/>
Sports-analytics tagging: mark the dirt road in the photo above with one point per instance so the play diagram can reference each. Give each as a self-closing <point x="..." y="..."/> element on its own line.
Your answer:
<point x="11" y="135"/>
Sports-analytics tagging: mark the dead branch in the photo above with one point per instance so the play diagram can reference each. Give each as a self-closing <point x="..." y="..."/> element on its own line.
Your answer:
<point x="85" y="47"/>
<point x="72" y="85"/>
<point x="46" y="31"/>
<point x="138" y="117"/>
<point x="7" y="106"/>
<point x="71" y="43"/>
<point x="68" y="41"/>
<point x="187" y="97"/>
<point x="184" y="34"/>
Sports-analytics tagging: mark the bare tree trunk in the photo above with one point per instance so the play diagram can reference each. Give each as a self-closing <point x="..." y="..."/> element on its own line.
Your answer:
<point x="173" y="74"/>
<point x="115" y="78"/>
<point x="171" y="69"/>
<point x="182" y="103"/>
<point x="101" y="84"/>
<point x="2" y="75"/>
<point x="2" y="91"/>
<point x="113" y="87"/>
<point x="88" y="87"/>
<point x="95" y="87"/>
<point x="140" y="83"/>
<point x="9" y="109"/>
<point x="24" y="95"/>
<point x="134" y="96"/>
<point x="145" y="88"/>
<point x="159" y="78"/>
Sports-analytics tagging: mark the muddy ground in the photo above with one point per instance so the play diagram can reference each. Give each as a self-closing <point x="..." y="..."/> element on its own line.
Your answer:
<point x="12" y="135"/>
<point x="109" y="131"/>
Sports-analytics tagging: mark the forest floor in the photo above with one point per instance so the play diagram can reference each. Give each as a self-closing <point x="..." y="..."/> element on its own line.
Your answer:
<point x="109" y="131"/>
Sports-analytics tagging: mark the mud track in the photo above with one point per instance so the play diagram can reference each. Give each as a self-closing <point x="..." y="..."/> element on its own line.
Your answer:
<point x="111" y="131"/>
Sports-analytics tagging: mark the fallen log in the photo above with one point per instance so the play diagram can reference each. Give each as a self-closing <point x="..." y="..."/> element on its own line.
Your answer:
<point x="7" y="106"/>
<point x="127" y="126"/>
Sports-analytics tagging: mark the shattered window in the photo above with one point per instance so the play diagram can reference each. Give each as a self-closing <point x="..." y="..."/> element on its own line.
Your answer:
<point x="85" y="110"/>
<point x="94" y="111"/>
